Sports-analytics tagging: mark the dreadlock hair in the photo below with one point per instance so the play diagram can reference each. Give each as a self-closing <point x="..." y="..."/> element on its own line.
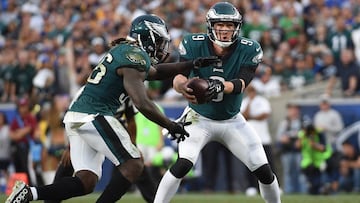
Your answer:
<point x="121" y="40"/>
<point x="117" y="41"/>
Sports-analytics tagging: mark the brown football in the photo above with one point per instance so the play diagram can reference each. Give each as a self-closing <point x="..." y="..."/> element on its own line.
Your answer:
<point x="200" y="87"/>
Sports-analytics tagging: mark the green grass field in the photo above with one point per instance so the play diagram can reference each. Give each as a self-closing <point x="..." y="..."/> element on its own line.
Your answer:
<point x="224" y="198"/>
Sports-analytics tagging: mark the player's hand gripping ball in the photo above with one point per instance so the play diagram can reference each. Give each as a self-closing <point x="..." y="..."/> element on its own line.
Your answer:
<point x="205" y="90"/>
<point x="200" y="89"/>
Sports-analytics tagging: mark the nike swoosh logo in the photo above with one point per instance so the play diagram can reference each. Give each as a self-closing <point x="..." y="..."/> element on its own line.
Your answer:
<point x="257" y="49"/>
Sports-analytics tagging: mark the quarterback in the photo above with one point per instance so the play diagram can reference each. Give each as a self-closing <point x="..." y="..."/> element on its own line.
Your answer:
<point x="219" y="119"/>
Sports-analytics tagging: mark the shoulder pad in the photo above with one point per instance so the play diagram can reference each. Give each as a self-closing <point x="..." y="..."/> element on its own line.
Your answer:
<point x="132" y="56"/>
<point x="135" y="55"/>
<point x="252" y="49"/>
<point x="191" y="42"/>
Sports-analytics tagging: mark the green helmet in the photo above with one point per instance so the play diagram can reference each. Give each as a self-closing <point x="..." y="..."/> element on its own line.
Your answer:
<point x="152" y="35"/>
<point x="223" y="12"/>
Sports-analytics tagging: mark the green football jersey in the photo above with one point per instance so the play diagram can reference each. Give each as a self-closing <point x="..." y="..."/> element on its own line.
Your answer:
<point x="246" y="53"/>
<point x="104" y="90"/>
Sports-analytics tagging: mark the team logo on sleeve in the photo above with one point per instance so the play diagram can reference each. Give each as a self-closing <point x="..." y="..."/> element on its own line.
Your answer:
<point x="258" y="58"/>
<point x="182" y="49"/>
<point x="136" y="58"/>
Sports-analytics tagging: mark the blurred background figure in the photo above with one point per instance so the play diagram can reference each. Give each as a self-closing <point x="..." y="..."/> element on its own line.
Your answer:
<point x="55" y="141"/>
<point x="43" y="80"/>
<point x="23" y="130"/>
<point x="21" y="77"/>
<point x="355" y="36"/>
<point x="325" y="67"/>
<point x="314" y="153"/>
<point x="333" y="41"/>
<point x="5" y="151"/>
<point x="348" y="73"/>
<point x="97" y="52"/>
<point x="7" y="60"/>
<point x="287" y="136"/>
<point x="257" y="110"/>
<point x="328" y="120"/>
<point x="350" y="167"/>
<point x="302" y="74"/>
<point x="265" y="84"/>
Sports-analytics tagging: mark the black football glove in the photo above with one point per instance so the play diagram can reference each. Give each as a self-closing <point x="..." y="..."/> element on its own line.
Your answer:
<point x="215" y="87"/>
<point x="177" y="131"/>
<point x="207" y="61"/>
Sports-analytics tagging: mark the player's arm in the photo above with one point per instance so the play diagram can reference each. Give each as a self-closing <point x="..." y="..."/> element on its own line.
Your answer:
<point x="215" y="87"/>
<point x="238" y="85"/>
<point x="234" y="86"/>
<point x="180" y="81"/>
<point x="169" y="70"/>
<point x="180" y="85"/>
<point x="133" y="83"/>
<point x="247" y="72"/>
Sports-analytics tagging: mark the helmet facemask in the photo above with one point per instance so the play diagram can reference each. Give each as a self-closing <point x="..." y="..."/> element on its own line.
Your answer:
<point x="161" y="49"/>
<point x="223" y="12"/>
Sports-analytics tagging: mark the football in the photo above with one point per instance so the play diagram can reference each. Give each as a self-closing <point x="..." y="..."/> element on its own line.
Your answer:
<point x="200" y="87"/>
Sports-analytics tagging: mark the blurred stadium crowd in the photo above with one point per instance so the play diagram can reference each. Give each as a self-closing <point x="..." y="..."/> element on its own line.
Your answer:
<point x="49" y="47"/>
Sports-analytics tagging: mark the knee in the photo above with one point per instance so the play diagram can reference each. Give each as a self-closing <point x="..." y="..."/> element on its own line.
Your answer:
<point x="88" y="179"/>
<point x="132" y="169"/>
<point x="264" y="174"/>
<point x="181" y="167"/>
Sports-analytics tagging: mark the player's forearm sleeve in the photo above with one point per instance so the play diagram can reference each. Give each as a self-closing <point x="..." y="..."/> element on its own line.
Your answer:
<point x="169" y="70"/>
<point x="247" y="74"/>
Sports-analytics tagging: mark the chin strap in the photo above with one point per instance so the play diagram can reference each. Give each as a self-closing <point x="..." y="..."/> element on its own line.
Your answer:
<point x="222" y="44"/>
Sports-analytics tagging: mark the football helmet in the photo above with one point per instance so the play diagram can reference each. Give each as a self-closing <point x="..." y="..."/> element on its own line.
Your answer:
<point x="152" y="35"/>
<point x="223" y="12"/>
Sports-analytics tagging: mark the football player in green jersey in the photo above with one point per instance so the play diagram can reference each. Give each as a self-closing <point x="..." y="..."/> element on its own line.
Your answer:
<point x="220" y="119"/>
<point x="126" y="115"/>
<point x="93" y="131"/>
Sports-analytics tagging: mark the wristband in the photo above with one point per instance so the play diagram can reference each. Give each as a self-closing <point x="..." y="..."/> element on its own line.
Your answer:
<point x="239" y="86"/>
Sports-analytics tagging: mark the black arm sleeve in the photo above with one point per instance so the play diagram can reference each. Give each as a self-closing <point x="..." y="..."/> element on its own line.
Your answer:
<point x="247" y="74"/>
